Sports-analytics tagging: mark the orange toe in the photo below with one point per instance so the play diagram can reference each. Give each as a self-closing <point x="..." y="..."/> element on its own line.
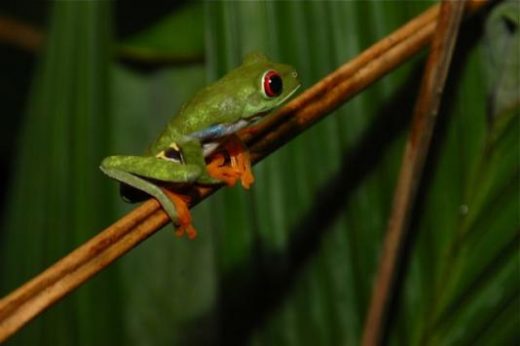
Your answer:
<point x="191" y="232"/>
<point x="246" y="177"/>
<point x="239" y="166"/>
<point x="183" y="214"/>
<point x="240" y="160"/>
<point x="218" y="170"/>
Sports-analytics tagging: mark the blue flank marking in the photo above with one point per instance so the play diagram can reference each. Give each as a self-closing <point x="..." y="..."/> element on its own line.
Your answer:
<point x="214" y="131"/>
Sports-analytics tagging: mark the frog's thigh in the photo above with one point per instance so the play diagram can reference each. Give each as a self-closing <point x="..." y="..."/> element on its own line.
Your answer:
<point x="143" y="185"/>
<point x="152" y="167"/>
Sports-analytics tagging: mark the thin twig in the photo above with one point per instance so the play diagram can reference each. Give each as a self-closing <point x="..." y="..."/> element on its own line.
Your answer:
<point x="414" y="157"/>
<point x="26" y="302"/>
<point x="20" y="34"/>
<point x="26" y="36"/>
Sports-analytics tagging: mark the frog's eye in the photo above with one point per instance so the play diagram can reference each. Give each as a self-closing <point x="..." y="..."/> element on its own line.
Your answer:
<point x="272" y="84"/>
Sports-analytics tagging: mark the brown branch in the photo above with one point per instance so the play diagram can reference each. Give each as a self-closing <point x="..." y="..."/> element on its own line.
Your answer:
<point x="20" y="34"/>
<point x="26" y="302"/>
<point x="414" y="157"/>
<point x="25" y="36"/>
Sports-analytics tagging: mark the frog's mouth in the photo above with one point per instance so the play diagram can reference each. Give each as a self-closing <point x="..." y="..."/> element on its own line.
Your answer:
<point x="291" y="93"/>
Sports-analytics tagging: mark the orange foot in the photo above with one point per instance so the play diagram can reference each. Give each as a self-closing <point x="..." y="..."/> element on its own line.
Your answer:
<point x="218" y="169"/>
<point x="183" y="213"/>
<point x="240" y="164"/>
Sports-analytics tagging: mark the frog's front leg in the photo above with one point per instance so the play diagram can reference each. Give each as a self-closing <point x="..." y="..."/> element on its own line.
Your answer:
<point x="216" y="172"/>
<point x="133" y="170"/>
<point x="240" y="163"/>
<point x="240" y="159"/>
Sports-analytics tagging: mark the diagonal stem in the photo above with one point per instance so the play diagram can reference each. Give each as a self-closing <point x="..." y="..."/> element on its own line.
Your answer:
<point x="32" y="298"/>
<point x="414" y="157"/>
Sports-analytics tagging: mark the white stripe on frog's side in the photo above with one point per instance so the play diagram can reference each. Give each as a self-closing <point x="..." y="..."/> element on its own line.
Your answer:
<point x="219" y="131"/>
<point x="209" y="147"/>
<point x="213" y="132"/>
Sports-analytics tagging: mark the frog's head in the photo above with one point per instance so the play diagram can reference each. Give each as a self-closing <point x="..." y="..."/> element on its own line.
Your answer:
<point x="270" y="84"/>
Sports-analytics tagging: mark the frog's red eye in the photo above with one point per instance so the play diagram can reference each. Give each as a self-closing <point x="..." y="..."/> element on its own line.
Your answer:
<point x="272" y="84"/>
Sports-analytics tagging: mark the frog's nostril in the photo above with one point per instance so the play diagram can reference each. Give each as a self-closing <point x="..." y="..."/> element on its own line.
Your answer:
<point x="295" y="74"/>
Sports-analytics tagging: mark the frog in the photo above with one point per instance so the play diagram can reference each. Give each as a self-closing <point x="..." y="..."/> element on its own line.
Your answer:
<point x="202" y="125"/>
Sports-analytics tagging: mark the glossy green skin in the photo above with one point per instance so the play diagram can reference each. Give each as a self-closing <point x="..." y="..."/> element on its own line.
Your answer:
<point x="229" y="104"/>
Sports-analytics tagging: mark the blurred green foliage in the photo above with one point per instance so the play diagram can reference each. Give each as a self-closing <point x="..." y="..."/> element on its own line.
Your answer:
<point x="290" y="262"/>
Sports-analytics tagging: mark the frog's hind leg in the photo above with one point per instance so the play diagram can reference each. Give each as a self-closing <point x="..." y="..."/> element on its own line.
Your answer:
<point x="183" y="213"/>
<point x="143" y="185"/>
<point x="132" y="170"/>
<point x="154" y="168"/>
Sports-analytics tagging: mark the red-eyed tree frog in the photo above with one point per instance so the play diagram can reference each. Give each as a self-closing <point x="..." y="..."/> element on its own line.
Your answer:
<point x="215" y="113"/>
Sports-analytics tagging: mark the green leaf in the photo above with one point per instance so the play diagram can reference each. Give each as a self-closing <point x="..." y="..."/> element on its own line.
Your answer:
<point x="178" y="37"/>
<point x="503" y="63"/>
<point x="58" y="199"/>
